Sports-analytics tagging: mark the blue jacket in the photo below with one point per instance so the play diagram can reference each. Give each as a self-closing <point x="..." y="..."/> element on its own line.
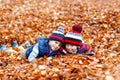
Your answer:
<point x="40" y="49"/>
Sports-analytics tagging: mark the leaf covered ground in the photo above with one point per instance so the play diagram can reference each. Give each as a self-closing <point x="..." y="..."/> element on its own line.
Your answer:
<point x="25" y="20"/>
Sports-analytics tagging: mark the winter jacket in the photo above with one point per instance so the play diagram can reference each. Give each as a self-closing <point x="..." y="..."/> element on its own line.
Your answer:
<point x="83" y="48"/>
<point x="40" y="49"/>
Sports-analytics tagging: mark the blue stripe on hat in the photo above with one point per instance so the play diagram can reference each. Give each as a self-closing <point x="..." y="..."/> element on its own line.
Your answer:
<point x="56" y="34"/>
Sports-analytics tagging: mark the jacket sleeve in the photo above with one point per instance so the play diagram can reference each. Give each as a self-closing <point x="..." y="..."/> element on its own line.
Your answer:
<point x="33" y="53"/>
<point x="90" y="53"/>
<point x="83" y="48"/>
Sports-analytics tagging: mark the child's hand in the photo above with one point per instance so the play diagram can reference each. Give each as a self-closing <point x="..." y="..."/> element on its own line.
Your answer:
<point x="90" y="53"/>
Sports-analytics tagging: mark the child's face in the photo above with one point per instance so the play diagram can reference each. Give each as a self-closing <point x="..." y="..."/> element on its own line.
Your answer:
<point x="55" y="45"/>
<point x="71" y="48"/>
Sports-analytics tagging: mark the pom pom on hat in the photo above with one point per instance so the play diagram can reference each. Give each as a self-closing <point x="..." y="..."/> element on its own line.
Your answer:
<point x="58" y="34"/>
<point x="77" y="28"/>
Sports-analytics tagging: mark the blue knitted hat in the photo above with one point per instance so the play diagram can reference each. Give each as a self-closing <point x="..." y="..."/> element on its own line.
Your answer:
<point x="58" y="35"/>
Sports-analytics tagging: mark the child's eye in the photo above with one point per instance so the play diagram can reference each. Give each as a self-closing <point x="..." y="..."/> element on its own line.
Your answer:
<point x="56" y="42"/>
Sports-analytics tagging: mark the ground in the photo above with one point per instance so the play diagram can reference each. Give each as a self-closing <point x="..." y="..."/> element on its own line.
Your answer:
<point x="25" y="20"/>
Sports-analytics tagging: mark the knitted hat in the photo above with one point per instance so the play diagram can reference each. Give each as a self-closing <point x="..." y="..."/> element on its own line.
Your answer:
<point x="74" y="35"/>
<point x="58" y="35"/>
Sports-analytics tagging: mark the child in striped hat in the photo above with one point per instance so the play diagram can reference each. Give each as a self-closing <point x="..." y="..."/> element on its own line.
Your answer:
<point x="47" y="46"/>
<point x="74" y="43"/>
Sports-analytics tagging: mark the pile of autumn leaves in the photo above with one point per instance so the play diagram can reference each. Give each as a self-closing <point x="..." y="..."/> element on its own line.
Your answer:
<point x="25" y="20"/>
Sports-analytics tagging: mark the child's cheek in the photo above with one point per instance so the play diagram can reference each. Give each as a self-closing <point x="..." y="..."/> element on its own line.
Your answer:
<point x="68" y="49"/>
<point x="54" y="48"/>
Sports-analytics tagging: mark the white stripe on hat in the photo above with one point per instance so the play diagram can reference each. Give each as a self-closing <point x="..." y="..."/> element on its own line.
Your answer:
<point x="57" y="32"/>
<point x="73" y="36"/>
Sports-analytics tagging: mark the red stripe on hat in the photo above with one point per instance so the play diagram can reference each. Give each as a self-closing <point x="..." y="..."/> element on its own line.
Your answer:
<point x="73" y="31"/>
<point x="57" y="37"/>
<point x="72" y="42"/>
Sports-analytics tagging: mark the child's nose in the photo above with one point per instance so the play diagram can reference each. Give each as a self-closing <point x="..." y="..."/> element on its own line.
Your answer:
<point x="57" y="45"/>
<point x="69" y="46"/>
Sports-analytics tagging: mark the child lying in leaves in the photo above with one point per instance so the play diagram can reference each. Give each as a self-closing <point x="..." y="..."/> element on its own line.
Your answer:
<point x="73" y="42"/>
<point x="47" y="46"/>
<point x="44" y="47"/>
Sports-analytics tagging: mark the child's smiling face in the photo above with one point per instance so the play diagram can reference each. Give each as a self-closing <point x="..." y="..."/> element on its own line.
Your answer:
<point x="71" y="48"/>
<point x="55" y="45"/>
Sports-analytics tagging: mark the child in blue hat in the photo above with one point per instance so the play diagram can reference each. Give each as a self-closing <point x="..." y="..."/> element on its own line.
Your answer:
<point x="47" y="46"/>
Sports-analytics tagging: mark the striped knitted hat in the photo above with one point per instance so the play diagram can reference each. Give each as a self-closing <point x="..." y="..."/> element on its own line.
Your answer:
<point x="58" y="35"/>
<point x="74" y="35"/>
